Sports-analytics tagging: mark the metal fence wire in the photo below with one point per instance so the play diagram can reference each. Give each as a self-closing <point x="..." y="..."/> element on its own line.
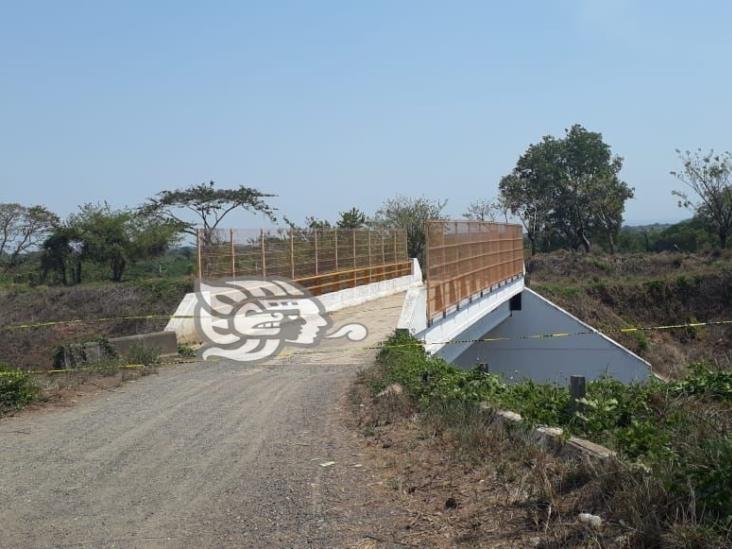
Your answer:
<point x="464" y="258"/>
<point x="321" y="260"/>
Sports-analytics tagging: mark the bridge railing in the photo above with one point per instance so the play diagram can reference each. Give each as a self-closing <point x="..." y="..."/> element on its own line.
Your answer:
<point x="322" y="260"/>
<point x="465" y="258"/>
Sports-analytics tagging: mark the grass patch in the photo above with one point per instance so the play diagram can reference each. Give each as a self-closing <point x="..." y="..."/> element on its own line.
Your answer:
<point x="673" y="482"/>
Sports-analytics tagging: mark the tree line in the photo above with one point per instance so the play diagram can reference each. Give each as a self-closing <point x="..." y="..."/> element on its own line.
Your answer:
<point x="567" y="193"/>
<point x="99" y="237"/>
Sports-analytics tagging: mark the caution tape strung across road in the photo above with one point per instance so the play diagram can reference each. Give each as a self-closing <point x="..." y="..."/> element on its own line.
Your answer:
<point x="31" y="325"/>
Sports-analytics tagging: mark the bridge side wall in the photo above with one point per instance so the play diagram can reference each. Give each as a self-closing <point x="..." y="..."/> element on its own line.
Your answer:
<point x="472" y="320"/>
<point x="551" y="359"/>
<point x="185" y="327"/>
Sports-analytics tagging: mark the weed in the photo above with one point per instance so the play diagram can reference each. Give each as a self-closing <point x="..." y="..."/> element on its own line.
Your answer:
<point x="17" y="388"/>
<point x="186" y="351"/>
<point x="143" y="354"/>
<point x="641" y="341"/>
<point x="146" y="356"/>
<point x="678" y="431"/>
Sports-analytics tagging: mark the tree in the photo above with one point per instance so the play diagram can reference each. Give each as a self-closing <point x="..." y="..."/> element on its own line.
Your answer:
<point x="22" y="229"/>
<point x="608" y="199"/>
<point x="209" y="204"/>
<point x="352" y="219"/>
<point x="529" y="191"/>
<point x="709" y="176"/>
<point x="410" y="214"/>
<point x="484" y="210"/>
<point x="62" y="253"/>
<point x="315" y="223"/>
<point x="592" y="195"/>
<point x="116" y="238"/>
<point x="568" y="189"/>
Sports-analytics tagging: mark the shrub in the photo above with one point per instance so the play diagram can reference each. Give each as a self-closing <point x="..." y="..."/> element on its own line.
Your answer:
<point x="17" y="388"/>
<point x="142" y="354"/>
<point x="186" y="351"/>
<point x="678" y="432"/>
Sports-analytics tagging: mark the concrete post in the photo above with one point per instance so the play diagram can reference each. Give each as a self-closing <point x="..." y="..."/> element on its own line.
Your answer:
<point x="577" y="391"/>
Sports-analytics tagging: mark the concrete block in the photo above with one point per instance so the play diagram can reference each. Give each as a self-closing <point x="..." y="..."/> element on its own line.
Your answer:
<point x="551" y="437"/>
<point x="512" y="417"/>
<point x="581" y="446"/>
<point x="165" y="343"/>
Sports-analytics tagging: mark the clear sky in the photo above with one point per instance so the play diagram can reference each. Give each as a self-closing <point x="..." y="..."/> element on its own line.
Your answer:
<point x="338" y="104"/>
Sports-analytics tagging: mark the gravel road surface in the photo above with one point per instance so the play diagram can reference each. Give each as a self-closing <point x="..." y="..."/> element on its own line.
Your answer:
<point x="201" y="455"/>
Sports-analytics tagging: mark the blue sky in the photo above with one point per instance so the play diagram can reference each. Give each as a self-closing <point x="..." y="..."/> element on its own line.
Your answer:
<point x="338" y="104"/>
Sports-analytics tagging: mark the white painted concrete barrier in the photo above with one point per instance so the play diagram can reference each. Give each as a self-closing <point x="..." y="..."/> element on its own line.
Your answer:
<point x="470" y="321"/>
<point x="184" y="325"/>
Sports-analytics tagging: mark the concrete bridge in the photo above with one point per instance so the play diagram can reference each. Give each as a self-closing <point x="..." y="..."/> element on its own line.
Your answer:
<point x="472" y="307"/>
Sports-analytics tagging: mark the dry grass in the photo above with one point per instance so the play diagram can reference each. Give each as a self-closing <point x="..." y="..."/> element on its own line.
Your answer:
<point x="33" y="348"/>
<point x="469" y="479"/>
<point x="611" y="292"/>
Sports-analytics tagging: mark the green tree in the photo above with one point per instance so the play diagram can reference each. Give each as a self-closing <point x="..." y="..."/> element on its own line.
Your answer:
<point x="315" y="223"/>
<point x="22" y="229"/>
<point x="352" y="219"/>
<point x="208" y="204"/>
<point x="119" y="238"/>
<point x="410" y="214"/>
<point x="709" y="176"/>
<point x="530" y="191"/>
<point x="568" y="190"/>
<point x="62" y="255"/>
<point x="484" y="210"/>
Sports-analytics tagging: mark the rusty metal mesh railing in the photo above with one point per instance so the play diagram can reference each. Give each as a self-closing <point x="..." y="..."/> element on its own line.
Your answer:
<point x="464" y="258"/>
<point x="322" y="260"/>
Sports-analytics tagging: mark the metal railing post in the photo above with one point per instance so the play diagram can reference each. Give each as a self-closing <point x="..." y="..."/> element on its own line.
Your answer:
<point x="395" y="246"/>
<point x="315" y="231"/>
<point x="292" y="255"/>
<point x="264" y="259"/>
<point x="233" y="253"/>
<point x="199" y="244"/>
<point x="369" y="248"/>
<point x="335" y="236"/>
<point x="353" y="238"/>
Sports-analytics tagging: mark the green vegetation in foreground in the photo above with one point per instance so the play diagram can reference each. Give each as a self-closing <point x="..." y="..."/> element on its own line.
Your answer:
<point x="17" y="388"/>
<point x="679" y="432"/>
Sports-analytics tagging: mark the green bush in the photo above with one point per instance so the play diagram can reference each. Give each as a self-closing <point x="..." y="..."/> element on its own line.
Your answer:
<point x="17" y="388"/>
<point x="186" y="351"/>
<point x="142" y="354"/>
<point x="679" y="431"/>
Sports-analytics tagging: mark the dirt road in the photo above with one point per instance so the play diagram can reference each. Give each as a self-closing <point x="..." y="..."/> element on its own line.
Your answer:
<point x="200" y="455"/>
